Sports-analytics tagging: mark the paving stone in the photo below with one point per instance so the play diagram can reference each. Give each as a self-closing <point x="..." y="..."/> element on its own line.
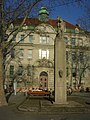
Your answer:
<point x="43" y="105"/>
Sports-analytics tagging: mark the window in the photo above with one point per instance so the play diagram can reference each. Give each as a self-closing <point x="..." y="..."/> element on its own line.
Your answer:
<point x="14" y="38"/>
<point x="13" y="53"/>
<point x="81" y="56"/>
<point x="21" y="39"/>
<point x="81" y="72"/>
<point x="29" y="70"/>
<point x="30" y="38"/>
<point x="73" y="41"/>
<point x="21" y="51"/>
<point x="20" y="70"/>
<point x="73" y="55"/>
<point x="11" y="71"/>
<point x="25" y="27"/>
<point x="43" y="54"/>
<point x="30" y="54"/>
<point x="40" y="85"/>
<point x="66" y="55"/>
<point x="80" y="42"/>
<point x="44" y="39"/>
<point x="66" y="40"/>
<point x="45" y="84"/>
<point x="67" y="71"/>
<point x="73" y="72"/>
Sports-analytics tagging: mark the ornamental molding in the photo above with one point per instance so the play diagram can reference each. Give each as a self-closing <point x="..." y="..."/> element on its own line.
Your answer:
<point x="44" y="63"/>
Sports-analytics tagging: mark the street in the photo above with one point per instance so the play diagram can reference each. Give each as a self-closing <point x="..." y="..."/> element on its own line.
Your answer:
<point x="11" y="112"/>
<point x="16" y="115"/>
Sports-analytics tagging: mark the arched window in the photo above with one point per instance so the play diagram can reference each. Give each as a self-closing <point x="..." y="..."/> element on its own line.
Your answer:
<point x="43" y="73"/>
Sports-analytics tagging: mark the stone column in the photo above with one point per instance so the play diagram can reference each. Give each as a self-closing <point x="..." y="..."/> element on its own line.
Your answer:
<point x="60" y="66"/>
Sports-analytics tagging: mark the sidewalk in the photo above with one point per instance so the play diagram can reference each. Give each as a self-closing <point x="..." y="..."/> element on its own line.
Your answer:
<point x="43" y="105"/>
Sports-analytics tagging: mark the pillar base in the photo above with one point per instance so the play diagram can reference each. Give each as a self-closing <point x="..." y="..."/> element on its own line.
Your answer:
<point x="60" y="103"/>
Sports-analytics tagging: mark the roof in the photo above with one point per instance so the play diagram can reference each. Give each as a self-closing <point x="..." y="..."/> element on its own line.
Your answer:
<point x="52" y="22"/>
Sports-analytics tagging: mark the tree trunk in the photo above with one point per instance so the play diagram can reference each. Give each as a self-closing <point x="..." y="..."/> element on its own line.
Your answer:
<point x="2" y="94"/>
<point x="80" y="80"/>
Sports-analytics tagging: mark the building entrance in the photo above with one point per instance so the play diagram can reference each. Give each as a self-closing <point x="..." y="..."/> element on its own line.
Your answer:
<point x="43" y="81"/>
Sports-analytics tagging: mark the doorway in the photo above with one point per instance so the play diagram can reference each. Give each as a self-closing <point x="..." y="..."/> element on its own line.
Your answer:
<point x="43" y="80"/>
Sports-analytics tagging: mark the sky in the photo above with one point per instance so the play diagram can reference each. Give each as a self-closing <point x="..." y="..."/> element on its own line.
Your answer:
<point x="69" y="13"/>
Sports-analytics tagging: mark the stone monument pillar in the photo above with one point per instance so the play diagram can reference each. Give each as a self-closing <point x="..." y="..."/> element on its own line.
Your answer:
<point x="60" y="67"/>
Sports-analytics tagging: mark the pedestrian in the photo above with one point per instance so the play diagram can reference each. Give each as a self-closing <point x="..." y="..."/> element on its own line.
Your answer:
<point x="69" y="91"/>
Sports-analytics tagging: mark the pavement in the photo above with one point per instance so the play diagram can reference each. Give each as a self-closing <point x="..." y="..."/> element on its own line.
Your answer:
<point x="41" y="108"/>
<point x="44" y="105"/>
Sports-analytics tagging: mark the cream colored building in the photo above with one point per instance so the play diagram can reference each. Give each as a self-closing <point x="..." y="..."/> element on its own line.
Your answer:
<point x="32" y="60"/>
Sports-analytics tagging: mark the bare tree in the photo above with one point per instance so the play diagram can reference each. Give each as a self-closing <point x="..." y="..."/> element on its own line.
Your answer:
<point x="85" y="66"/>
<point x="81" y="65"/>
<point x="5" y="47"/>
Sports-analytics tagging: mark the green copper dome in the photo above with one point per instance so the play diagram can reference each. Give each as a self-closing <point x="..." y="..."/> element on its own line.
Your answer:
<point x="43" y="10"/>
<point x="43" y="14"/>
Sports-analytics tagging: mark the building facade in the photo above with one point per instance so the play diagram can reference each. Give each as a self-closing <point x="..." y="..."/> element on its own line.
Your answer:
<point x="31" y="62"/>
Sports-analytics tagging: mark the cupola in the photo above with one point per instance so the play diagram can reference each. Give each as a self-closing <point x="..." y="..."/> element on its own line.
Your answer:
<point x="43" y="14"/>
